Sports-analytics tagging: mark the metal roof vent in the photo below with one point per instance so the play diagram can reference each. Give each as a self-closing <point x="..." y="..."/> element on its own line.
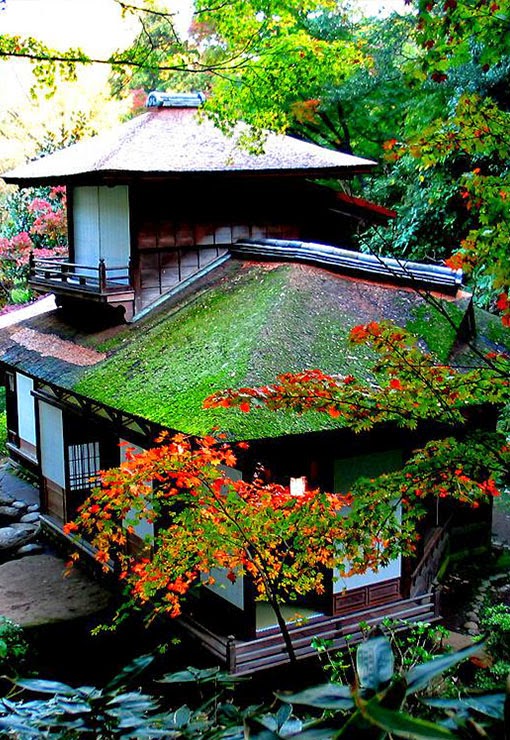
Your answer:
<point x="158" y="99"/>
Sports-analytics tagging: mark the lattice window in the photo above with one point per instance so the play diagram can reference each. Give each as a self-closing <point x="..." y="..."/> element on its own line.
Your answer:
<point x="84" y="465"/>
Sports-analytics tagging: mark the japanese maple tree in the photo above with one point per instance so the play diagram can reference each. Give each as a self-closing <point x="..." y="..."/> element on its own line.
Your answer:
<point x="35" y="223"/>
<point x="204" y="518"/>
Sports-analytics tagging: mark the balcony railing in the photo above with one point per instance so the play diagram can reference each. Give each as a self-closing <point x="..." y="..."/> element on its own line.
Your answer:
<point x="56" y="274"/>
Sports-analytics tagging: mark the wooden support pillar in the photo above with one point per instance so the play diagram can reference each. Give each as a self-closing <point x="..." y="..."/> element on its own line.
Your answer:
<point x="102" y="275"/>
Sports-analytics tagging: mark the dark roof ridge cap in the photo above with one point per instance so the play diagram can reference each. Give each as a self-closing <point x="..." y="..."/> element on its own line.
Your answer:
<point x="419" y="274"/>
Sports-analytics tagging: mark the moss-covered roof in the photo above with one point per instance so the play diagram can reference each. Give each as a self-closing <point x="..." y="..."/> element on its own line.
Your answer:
<point x="241" y="325"/>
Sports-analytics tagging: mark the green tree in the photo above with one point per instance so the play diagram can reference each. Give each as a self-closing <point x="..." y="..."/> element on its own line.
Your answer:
<point x="460" y="154"/>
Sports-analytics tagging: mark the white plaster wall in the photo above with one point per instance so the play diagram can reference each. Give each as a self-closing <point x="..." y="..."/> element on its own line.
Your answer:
<point x="143" y="527"/>
<point x="101" y="225"/>
<point x="392" y="570"/>
<point x="86" y="225"/>
<point x="52" y="443"/>
<point x="346" y="471"/>
<point x="26" y="408"/>
<point x="114" y="225"/>
<point x="223" y="586"/>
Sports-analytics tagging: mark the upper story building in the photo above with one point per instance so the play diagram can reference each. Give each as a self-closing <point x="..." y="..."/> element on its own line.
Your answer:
<point x="158" y="199"/>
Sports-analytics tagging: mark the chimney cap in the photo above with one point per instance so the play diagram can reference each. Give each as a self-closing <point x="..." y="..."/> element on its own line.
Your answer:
<point x="157" y="99"/>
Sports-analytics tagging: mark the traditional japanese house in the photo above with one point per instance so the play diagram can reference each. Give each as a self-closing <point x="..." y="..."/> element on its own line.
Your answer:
<point x="195" y="266"/>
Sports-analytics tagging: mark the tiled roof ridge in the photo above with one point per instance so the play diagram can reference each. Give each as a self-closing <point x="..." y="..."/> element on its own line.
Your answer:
<point x="432" y="277"/>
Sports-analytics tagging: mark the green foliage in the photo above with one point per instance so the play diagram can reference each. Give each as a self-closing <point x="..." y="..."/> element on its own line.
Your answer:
<point x="495" y="623"/>
<point x="411" y="643"/>
<point x="14" y="649"/>
<point x="35" y="221"/>
<point x="20" y="294"/>
<point x="3" y="424"/>
<point x="465" y="53"/>
<point x="113" y="712"/>
<point x="376" y="698"/>
<point x="370" y="709"/>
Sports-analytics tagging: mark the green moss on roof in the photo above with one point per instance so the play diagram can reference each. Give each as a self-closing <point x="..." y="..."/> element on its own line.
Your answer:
<point x="491" y="330"/>
<point x="243" y="325"/>
<point x="241" y="331"/>
<point x="491" y="336"/>
<point x="429" y="323"/>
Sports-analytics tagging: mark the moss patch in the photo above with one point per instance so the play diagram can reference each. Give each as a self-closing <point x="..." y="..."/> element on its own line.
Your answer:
<point x="171" y="366"/>
<point x="491" y="330"/>
<point x="431" y="325"/>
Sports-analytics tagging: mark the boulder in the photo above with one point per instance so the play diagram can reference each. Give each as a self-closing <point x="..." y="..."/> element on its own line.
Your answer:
<point x="30" y="518"/>
<point x="9" y="512"/>
<point x="23" y="526"/>
<point x="34" y="592"/>
<point x="471" y="628"/>
<point x="19" y="505"/>
<point x="33" y="548"/>
<point x="13" y="537"/>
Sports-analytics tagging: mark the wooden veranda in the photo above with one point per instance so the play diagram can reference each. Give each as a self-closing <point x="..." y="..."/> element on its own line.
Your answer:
<point x="244" y="657"/>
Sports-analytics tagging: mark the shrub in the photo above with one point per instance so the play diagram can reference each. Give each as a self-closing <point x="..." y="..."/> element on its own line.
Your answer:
<point x="14" y="649"/>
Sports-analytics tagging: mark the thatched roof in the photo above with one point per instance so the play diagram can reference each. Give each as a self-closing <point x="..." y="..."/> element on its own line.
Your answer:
<point x="172" y="141"/>
<point x="242" y="324"/>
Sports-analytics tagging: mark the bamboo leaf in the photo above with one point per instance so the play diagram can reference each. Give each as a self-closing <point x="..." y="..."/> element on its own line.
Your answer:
<point x="403" y="725"/>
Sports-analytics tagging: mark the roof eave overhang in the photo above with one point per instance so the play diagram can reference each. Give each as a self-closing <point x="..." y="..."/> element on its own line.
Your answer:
<point x="126" y="175"/>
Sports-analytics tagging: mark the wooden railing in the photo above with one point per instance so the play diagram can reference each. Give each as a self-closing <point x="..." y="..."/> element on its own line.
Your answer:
<point x="244" y="657"/>
<point x="427" y="569"/>
<point x="55" y="272"/>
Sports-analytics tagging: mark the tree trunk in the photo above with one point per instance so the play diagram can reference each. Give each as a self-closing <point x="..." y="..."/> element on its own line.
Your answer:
<point x="275" y="606"/>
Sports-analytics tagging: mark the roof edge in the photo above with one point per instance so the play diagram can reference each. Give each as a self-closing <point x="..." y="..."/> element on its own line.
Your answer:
<point x="370" y="266"/>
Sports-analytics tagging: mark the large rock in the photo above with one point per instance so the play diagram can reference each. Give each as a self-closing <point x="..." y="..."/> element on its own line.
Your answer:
<point x="13" y="537"/>
<point x="33" y="548"/>
<point x="23" y="526"/>
<point x="21" y="505"/>
<point x="31" y="518"/>
<point x="9" y="512"/>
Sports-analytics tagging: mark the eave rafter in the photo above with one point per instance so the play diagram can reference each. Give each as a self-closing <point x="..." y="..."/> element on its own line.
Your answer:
<point x="76" y="403"/>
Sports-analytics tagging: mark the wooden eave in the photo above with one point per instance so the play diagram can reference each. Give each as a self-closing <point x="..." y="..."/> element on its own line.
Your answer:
<point x="361" y="208"/>
<point x="124" y="177"/>
<point x="79" y="404"/>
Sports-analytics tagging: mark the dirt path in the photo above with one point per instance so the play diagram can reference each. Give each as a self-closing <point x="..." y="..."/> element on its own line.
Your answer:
<point x="34" y="591"/>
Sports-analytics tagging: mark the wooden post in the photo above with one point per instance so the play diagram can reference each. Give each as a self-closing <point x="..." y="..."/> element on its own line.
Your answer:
<point x="31" y="264"/>
<point x="231" y="654"/>
<point x="102" y="276"/>
<point x="131" y="273"/>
